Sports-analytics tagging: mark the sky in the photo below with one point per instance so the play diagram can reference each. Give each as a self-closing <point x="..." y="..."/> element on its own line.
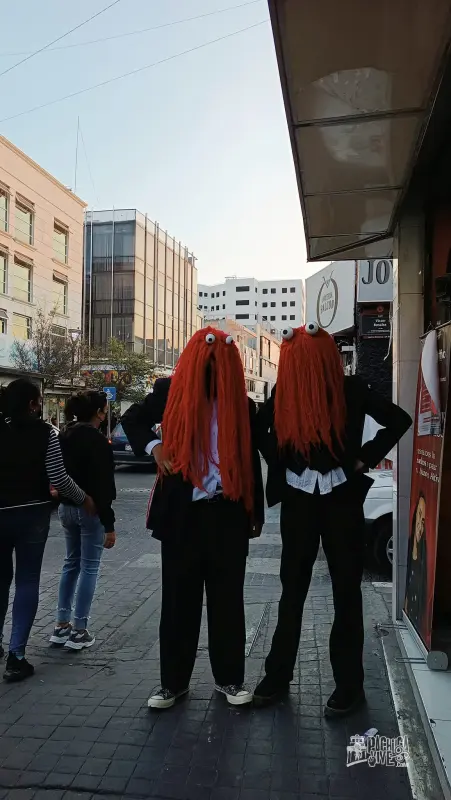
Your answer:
<point x="199" y="142"/>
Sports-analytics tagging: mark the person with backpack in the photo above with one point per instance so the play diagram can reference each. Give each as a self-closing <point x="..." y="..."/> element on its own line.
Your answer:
<point x="89" y="460"/>
<point x="30" y="463"/>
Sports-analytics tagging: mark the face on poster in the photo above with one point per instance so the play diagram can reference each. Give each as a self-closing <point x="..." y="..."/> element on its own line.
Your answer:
<point x="425" y="488"/>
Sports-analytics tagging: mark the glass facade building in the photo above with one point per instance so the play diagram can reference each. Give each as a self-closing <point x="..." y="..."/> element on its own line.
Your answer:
<point x="140" y="285"/>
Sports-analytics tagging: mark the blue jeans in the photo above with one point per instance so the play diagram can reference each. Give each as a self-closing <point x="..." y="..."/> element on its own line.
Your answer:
<point x="23" y="532"/>
<point x="85" y="536"/>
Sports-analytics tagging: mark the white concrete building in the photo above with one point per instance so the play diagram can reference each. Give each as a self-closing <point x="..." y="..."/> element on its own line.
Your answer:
<point x="278" y="303"/>
<point x="41" y="249"/>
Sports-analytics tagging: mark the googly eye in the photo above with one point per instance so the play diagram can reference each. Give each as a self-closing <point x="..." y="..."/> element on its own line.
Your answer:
<point x="229" y="340"/>
<point x="312" y="328"/>
<point x="287" y="334"/>
<point x="210" y="338"/>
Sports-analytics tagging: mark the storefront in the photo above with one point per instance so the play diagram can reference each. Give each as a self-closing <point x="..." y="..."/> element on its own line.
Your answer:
<point x="367" y="91"/>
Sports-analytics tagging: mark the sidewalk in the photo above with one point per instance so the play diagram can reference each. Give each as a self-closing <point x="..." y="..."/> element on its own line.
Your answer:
<point x="81" y="727"/>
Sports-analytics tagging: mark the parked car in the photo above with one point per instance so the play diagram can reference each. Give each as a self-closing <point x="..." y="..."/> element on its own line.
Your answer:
<point x="378" y="510"/>
<point x="122" y="450"/>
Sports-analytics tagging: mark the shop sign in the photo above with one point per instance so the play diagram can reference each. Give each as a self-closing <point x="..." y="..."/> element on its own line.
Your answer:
<point x="330" y="296"/>
<point x="429" y="515"/>
<point x="375" y="324"/>
<point x="375" y="281"/>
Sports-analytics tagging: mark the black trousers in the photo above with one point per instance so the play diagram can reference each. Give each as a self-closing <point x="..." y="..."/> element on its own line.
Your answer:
<point x="210" y="552"/>
<point x="338" y="520"/>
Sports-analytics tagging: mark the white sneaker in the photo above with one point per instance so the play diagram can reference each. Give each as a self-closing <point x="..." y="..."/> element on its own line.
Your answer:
<point x="235" y="695"/>
<point x="78" y="640"/>
<point x="164" y="698"/>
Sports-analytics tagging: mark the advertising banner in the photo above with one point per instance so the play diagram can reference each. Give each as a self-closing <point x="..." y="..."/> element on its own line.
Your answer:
<point x="425" y="496"/>
<point x="330" y="297"/>
<point x="375" y="281"/>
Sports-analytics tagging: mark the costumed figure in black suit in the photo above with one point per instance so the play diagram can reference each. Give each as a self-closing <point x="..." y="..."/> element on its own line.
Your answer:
<point x="206" y="504"/>
<point x="311" y="437"/>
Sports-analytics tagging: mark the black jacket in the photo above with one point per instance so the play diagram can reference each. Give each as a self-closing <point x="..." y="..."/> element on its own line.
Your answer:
<point x="172" y="494"/>
<point x="88" y="459"/>
<point x="23" y="474"/>
<point x="360" y="401"/>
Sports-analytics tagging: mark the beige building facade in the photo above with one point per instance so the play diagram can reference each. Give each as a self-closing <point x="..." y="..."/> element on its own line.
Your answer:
<point x="41" y="250"/>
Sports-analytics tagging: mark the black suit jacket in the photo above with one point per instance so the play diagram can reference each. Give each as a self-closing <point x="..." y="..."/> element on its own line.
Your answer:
<point x="173" y="494"/>
<point x="361" y="400"/>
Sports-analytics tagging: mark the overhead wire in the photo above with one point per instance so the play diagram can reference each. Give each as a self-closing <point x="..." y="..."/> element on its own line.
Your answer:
<point x="133" y="71"/>
<point x="89" y="166"/>
<point x="141" y="30"/>
<point x="58" y="39"/>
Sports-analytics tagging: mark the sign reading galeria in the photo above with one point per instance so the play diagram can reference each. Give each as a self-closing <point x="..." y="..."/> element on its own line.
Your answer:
<point x="330" y="296"/>
<point x="426" y="519"/>
<point x="375" y="281"/>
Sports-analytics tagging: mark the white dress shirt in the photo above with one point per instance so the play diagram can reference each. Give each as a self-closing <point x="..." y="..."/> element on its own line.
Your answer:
<point x="310" y="479"/>
<point x="212" y="480"/>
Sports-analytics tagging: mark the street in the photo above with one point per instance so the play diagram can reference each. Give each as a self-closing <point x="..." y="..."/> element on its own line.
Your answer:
<point x="81" y="726"/>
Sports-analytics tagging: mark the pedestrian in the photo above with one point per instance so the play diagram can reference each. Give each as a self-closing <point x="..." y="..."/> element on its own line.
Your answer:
<point x="311" y="437"/>
<point x="89" y="460"/>
<point x="207" y="503"/>
<point x="30" y="462"/>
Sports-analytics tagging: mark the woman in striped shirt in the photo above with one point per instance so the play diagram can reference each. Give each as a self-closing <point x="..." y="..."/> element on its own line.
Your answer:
<point x="30" y="463"/>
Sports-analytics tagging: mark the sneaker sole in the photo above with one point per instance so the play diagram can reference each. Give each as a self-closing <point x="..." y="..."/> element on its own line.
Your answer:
<point x="58" y="639"/>
<point x="236" y="701"/>
<point x="16" y="678"/>
<point x="161" y="704"/>
<point x="78" y="645"/>
<point x="332" y="712"/>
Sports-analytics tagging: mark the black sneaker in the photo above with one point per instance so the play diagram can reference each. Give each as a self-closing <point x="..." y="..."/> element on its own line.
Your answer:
<point x="60" y="634"/>
<point x="78" y="640"/>
<point x="164" y="698"/>
<point x="235" y="695"/>
<point x="343" y="702"/>
<point x="17" y="669"/>
<point x="268" y="691"/>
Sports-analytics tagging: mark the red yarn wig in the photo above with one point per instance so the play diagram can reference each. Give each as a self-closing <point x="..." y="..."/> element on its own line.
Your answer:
<point x="310" y="406"/>
<point x="186" y="421"/>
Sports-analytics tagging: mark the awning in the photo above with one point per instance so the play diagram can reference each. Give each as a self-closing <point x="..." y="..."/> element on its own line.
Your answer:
<point x="359" y="79"/>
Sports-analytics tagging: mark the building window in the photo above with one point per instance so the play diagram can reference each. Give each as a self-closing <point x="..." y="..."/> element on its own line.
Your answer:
<point x="242" y="289"/>
<point x="3" y="272"/>
<point x="272" y="319"/>
<point x="3" y="319"/>
<point x="265" y="291"/>
<point x="200" y="294"/>
<point x="284" y="291"/>
<point x="292" y="302"/>
<point x="292" y="289"/>
<point x="273" y="291"/>
<point x="217" y="294"/>
<point x="212" y="294"/>
<point x="4" y="208"/>
<point x="22" y="281"/>
<point x="265" y="305"/>
<point x="223" y="294"/>
<point x="273" y="305"/>
<point x="24" y="221"/>
<point x="223" y="308"/>
<point x="60" y="242"/>
<point x="242" y="302"/>
<point x="242" y="316"/>
<point x="292" y="316"/>
<point x="284" y="304"/>
<point x="284" y="316"/>
<point x="212" y="308"/>
<point x="59" y="295"/>
<point x="58" y="330"/>
<point x="217" y="308"/>
<point x="265" y="319"/>
<point x="21" y="326"/>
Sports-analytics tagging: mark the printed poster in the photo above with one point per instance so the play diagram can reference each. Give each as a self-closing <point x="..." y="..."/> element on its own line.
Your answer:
<point x="430" y="419"/>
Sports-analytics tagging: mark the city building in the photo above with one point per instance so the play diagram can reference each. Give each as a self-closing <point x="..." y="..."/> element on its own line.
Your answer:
<point x="249" y="301"/>
<point x="140" y="285"/>
<point x="41" y="251"/>
<point x="371" y="141"/>
<point x="259" y="351"/>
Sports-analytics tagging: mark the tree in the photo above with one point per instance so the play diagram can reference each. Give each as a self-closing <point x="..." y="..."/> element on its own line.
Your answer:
<point x="56" y="357"/>
<point x="128" y="371"/>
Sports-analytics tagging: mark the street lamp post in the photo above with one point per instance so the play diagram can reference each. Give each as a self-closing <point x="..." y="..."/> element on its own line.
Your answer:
<point x="75" y="335"/>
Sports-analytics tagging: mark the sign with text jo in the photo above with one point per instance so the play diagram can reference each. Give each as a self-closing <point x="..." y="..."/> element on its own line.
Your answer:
<point x="375" y="281"/>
